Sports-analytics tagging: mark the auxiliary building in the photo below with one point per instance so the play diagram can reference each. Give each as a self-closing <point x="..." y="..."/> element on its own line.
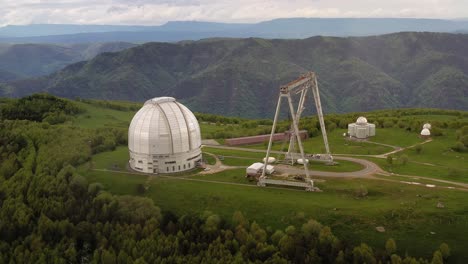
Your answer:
<point x="361" y="129"/>
<point x="164" y="137"/>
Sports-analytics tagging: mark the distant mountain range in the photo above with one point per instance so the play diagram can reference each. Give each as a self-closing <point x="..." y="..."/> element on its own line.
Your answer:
<point x="241" y="77"/>
<point x="291" y="28"/>
<point x="21" y="61"/>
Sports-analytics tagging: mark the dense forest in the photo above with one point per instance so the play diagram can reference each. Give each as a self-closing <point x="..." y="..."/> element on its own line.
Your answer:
<point x="51" y="214"/>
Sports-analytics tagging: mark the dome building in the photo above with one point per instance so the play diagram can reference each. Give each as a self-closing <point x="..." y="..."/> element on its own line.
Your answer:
<point x="164" y="137"/>
<point x="425" y="132"/>
<point x="361" y="129"/>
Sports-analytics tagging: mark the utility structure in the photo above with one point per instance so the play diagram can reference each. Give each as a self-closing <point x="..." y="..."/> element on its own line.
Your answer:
<point x="302" y="85"/>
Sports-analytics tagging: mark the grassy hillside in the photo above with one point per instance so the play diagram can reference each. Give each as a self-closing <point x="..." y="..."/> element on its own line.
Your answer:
<point x="408" y="212"/>
<point x="102" y="207"/>
<point x="355" y="74"/>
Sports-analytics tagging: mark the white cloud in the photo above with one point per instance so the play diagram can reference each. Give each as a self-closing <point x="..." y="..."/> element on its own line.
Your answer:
<point x="155" y="12"/>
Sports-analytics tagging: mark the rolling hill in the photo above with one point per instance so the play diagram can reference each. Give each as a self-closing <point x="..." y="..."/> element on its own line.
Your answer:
<point x="241" y="76"/>
<point x="29" y="60"/>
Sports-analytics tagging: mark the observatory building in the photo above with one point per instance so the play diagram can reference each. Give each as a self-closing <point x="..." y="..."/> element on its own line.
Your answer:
<point x="164" y="137"/>
<point x="361" y="129"/>
<point x="426" y="131"/>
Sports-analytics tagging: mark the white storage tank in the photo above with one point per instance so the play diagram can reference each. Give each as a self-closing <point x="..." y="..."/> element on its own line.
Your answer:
<point x="270" y="160"/>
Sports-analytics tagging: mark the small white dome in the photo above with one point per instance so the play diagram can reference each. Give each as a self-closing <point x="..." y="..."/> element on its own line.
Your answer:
<point x="361" y="120"/>
<point x="427" y="125"/>
<point x="425" y="132"/>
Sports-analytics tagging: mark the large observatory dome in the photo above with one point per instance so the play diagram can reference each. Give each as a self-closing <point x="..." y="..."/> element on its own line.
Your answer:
<point x="164" y="137"/>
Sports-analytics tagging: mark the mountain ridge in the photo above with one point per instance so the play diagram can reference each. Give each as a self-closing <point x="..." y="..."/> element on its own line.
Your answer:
<point x="243" y="75"/>
<point x="174" y="31"/>
<point x="19" y="61"/>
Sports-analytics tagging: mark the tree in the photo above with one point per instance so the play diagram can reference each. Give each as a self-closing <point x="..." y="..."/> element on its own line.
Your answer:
<point x="459" y="147"/>
<point x="395" y="259"/>
<point x="276" y="237"/>
<point x="390" y="160"/>
<point x="445" y="250"/>
<point x="363" y="254"/>
<point x="108" y="257"/>
<point x="404" y="159"/>
<point x="239" y="219"/>
<point x="390" y="246"/>
<point x="437" y="258"/>
<point x="340" y="259"/>
<point x="418" y="149"/>
<point x="361" y="191"/>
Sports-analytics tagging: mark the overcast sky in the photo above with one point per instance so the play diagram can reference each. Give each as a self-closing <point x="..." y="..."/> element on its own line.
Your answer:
<point x="156" y="12"/>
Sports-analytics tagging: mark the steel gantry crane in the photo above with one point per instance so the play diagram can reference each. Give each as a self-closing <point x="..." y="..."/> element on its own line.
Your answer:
<point x="302" y="85"/>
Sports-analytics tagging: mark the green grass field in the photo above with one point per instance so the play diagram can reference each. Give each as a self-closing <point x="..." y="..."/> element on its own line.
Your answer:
<point x="338" y="144"/>
<point x="96" y="116"/>
<point x="408" y="212"/>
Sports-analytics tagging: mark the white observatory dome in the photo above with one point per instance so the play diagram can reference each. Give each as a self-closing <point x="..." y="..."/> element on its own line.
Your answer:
<point x="425" y="132"/>
<point x="427" y="125"/>
<point x="361" y="121"/>
<point x="164" y="137"/>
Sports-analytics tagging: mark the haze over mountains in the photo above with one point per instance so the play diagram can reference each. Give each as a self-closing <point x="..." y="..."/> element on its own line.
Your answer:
<point x="177" y="31"/>
<point x="241" y="76"/>
<point x="29" y="60"/>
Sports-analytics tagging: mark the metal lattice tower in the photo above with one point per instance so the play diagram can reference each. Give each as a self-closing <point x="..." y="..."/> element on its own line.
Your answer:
<point x="300" y="86"/>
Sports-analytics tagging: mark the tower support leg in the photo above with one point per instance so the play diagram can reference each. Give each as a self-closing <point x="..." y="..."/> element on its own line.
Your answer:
<point x="275" y="120"/>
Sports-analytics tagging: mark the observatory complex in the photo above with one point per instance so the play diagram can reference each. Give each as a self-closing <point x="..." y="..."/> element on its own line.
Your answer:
<point x="164" y="137"/>
<point x="361" y="129"/>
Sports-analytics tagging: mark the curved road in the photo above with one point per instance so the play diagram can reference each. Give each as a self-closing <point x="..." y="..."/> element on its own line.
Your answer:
<point x="369" y="169"/>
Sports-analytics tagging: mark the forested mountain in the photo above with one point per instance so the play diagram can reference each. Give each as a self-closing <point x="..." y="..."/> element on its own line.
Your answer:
<point x="195" y="30"/>
<point x="28" y="60"/>
<point x="243" y="75"/>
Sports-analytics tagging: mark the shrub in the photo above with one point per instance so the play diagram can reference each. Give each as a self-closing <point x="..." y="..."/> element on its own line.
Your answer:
<point x="361" y="191"/>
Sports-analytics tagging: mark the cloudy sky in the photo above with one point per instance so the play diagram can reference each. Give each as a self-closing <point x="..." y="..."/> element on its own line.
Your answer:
<point x="156" y="12"/>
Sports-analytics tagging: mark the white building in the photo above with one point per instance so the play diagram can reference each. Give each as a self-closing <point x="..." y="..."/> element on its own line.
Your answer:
<point x="427" y="125"/>
<point x="257" y="168"/>
<point x="361" y="129"/>
<point x="425" y="132"/>
<point x="164" y="137"/>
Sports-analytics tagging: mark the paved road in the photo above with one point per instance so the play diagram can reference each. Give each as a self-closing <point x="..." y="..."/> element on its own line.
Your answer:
<point x="369" y="169"/>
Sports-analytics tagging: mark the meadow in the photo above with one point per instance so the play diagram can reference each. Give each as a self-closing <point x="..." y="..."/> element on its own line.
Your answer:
<point x="408" y="213"/>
